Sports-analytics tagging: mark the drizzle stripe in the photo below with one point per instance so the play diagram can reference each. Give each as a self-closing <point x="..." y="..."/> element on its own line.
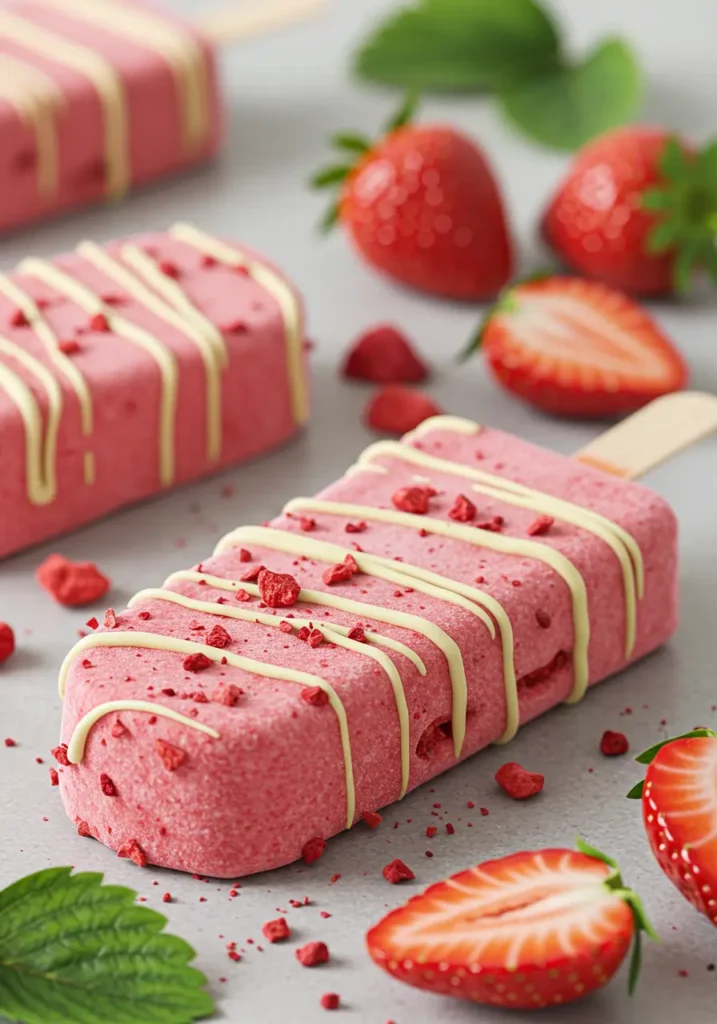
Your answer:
<point x="81" y="732"/>
<point x="153" y="641"/>
<point x="485" y="539"/>
<point x="37" y="99"/>
<point x="456" y="424"/>
<point x="275" y="285"/>
<point x="103" y="76"/>
<point x="329" y="633"/>
<point x="164" y="358"/>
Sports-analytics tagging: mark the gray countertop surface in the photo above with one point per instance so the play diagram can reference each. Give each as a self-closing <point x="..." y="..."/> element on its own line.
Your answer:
<point x="286" y="94"/>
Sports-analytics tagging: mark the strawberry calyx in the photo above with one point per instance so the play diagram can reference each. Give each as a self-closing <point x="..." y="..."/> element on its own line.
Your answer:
<point x="615" y="885"/>
<point x="685" y="206"/>
<point x="507" y="302"/>
<point x="355" y="148"/>
<point x="649" y="755"/>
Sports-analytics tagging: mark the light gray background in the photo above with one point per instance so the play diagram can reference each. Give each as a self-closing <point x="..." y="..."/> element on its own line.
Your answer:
<point x="286" y="95"/>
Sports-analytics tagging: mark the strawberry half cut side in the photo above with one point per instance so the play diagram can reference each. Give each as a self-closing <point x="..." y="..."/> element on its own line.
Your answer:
<point x="679" y="810"/>
<point x="531" y="930"/>
<point x="578" y="348"/>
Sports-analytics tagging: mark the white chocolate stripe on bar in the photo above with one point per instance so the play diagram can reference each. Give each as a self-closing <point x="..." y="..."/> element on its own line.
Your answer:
<point x="103" y="76"/>
<point x="619" y="540"/>
<point x="456" y="424"/>
<point x="331" y="634"/>
<point x="277" y="287"/>
<point x="213" y="357"/>
<point x="40" y="442"/>
<point x="156" y="642"/>
<point x="174" y="44"/>
<point x="163" y="356"/>
<point x="38" y="99"/>
<point x="281" y="540"/>
<point x="484" y="539"/>
<point x="81" y="732"/>
<point x="64" y="364"/>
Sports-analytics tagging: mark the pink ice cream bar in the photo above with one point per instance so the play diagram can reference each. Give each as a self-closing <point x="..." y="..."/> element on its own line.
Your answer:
<point x="96" y="98"/>
<point x="448" y="589"/>
<point x="129" y="368"/>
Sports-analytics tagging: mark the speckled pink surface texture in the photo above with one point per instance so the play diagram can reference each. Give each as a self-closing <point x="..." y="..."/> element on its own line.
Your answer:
<point x="155" y="145"/>
<point x="125" y="385"/>
<point x="275" y="779"/>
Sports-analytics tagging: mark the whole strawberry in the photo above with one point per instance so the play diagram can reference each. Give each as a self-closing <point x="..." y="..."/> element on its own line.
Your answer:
<point x="679" y="809"/>
<point x="422" y="206"/>
<point x="637" y="210"/>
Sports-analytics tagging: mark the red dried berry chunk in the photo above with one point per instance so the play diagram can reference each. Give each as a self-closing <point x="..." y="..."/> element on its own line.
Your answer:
<point x="251" y="575"/>
<point x="196" y="662"/>
<point x="172" y="757"/>
<point x="494" y="525"/>
<point x="372" y="819"/>
<point x="463" y="510"/>
<point x="518" y="783"/>
<point x="358" y="634"/>
<point x="169" y="269"/>
<point x="397" y="871"/>
<point x="218" y="637"/>
<point x="7" y="641"/>
<point x="99" y="322"/>
<point x="278" y="590"/>
<point x="541" y="526"/>
<point x="60" y="755"/>
<point x="339" y="573"/>
<point x="276" y="931"/>
<point x="110" y="619"/>
<point x="72" y="583"/>
<point x="355" y="527"/>
<point x="330" y="1001"/>
<point x="131" y="850"/>
<point x="244" y="555"/>
<point x="107" y="785"/>
<point x="83" y="829"/>
<point x="384" y="355"/>
<point x="69" y="348"/>
<point x="312" y="850"/>
<point x="227" y="694"/>
<point x="413" y="499"/>
<point x="613" y="744"/>
<point x="313" y="954"/>
<point x="286" y="626"/>
<point x="54" y="777"/>
<point x="396" y="409"/>
<point x="306" y="524"/>
<point x="315" y="695"/>
<point x="315" y="638"/>
<point x="18" y="319"/>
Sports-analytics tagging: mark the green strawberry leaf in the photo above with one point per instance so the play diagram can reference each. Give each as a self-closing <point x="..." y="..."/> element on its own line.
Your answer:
<point x="73" y="949"/>
<point x="567" y="107"/>
<point x="350" y="142"/>
<point x="637" y="791"/>
<point x="649" y="755"/>
<point x="460" y="46"/>
<point x="329" y="176"/>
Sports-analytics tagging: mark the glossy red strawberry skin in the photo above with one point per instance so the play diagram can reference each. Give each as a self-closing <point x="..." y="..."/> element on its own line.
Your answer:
<point x="677" y="840"/>
<point x="424" y="208"/>
<point x="595" y="222"/>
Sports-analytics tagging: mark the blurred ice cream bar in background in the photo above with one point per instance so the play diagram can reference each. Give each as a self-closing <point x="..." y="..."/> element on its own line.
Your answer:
<point x="97" y="96"/>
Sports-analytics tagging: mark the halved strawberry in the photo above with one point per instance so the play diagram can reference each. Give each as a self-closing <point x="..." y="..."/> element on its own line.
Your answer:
<point x="679" y="809"/>
<point x="578" y="348"/>
<point x="530" y="930"/>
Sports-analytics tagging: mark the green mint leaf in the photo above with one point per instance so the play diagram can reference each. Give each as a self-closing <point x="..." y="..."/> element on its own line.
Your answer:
<point x="460" y="46"/>
<point x="567" y="107"/>
<point x="73" y="949"/>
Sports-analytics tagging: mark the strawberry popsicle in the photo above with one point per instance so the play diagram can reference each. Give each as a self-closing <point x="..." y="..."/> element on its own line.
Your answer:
<point x="129" y="368"/>
<point x="448" y="589"/>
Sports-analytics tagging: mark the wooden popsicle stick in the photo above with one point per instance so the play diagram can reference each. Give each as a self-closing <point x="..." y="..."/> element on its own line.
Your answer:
<point x="230" y="24"/>
<point x="653" y="434"/>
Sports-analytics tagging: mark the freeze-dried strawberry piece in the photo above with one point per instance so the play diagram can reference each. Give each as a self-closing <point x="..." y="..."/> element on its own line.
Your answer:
<point x="172" y="757"/>
<point x="99" y="322"/>
<point x="278" y="590"/>
<point x="7" y="641"/>
<point x="110" y="619"/>
<point x="372" y="819"/>
<point x="613" y="744"/>
<point x="397" y="871"/>
<point x="313" y="954"/>
<point x="384" y="355"/>
<point x="71" y="583"/>
<point x="413" y="499"/>
<point x="251" y="575"/>
<point x="463" y="510"/>
<point x="330" y="1001"/>
<point x="227" y="694"/>
<point x="54" y="777"/>
<point x="107" y="785"/>
<point x="169" y="269"/>
<point x="131" y="850"/>
<point x="218" y="637"/>
<point x="355" y="527"/>
<point x="358" y="634"/>
<point x="69" y="348"/>
<point x="518" y="783"/>
<point x="314" y="695"/>
<point x="83" y="829"/>
<point x="196" y="662"/>
<point x="286" y="626"/>
<point x="244" y="555"/>
<point x="18" y="319"/>
<point x="315" y="638"/>
<point x="339" y="573"/>
<point x="276" y="931"/>
<point x="396" y="409"/>
<point x="304" y="633"/>
<point x="60" y="755"/>
<point x="313" y="850"/>
<point x="541" y="526"/>
<point x="306" y="524"/>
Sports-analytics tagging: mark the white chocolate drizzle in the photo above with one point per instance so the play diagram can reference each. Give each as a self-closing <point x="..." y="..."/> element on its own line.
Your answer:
<point x="157" y="642"/>
<point x="38" y="100"/>
<point x="275" y="285"/>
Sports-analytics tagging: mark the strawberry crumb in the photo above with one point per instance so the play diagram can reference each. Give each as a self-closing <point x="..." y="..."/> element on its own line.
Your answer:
<point x="463" y="510"/>
<point x="358" y="634"/>
<point x="60" y="755"/>
<point x="330" y="1001"/>
<point x="278" y="590"/>
<point x="313" y="954"/>
<point x="233" y="955"/>
<point x="541" y="526"/>
<point x="134" y="852"/>
<point x="10" y="742"/>
<point x="313" y="850"/>
<point x="7" y="641"/>
<point x="92" y="623"/>
<point x="71" y="583"/>
<point x="107" y="785"/>
<point x="196" y="662"/>
<point x="276" y="931"/>
<point x="413" y="499"/>
<point x="244" y="555"/>
<point x="172" y="757"/>
<point x="372" y="819"/>
<point x="54" y="777"/>
<point x="431" y="831"/>
<point x="218" y="637"/>
<point x="227" y="694"/>
<point x="613" y="744"/>
<point x="110" y="619"/>
<point x="83" y="829"/>
<point x="518" y="783"/>
<point x="397" y="871"/>
<point x="314" y="695"/>
<point x="355" y="527"/>
<point x="166" y="897"/>
<point x="339" y="573"/>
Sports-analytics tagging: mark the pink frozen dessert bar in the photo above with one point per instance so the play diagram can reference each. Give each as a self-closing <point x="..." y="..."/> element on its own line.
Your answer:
<point x="447" y="590"/>
<point x="128" y="368"/>
<point x="97" y="96"/>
